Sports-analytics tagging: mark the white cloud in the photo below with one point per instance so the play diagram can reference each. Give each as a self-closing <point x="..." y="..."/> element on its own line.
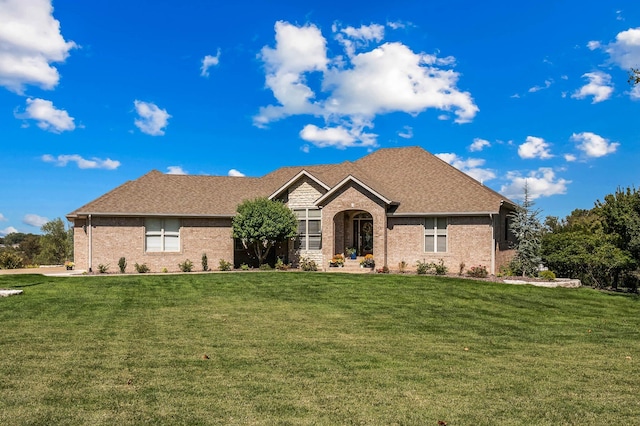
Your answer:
<point x="6" y="231"/>
<point x="47" y="116"/>
<point x="570" y="157"/>
<point x="540" y="183"/>
<point x="593" y="45"/>
<point x="305" y="148"/>
<point x="593" y="145"/>
<point x="625" y="50"/>
<point x="353" y="90"/>
<point x="635" y="93"/>
<point x="152" y="119"/>
<point x="2" y="218"/>
<point x="547" y="84"/>
<point x="534" y="147"/>
<point x="209" y="61"/>
<point x="470" y="166"/>
<point x="406" y="132"/>
<point x="176" y="170"/>
<point x="34" y="220"/>
<point x="30" y="41"/>
<point x="94" y="163"/>
<point x="234" y="172"/>
<point x="479" y="144"/>
<point x="599" y="86"/>
<point x="339" y="137"/>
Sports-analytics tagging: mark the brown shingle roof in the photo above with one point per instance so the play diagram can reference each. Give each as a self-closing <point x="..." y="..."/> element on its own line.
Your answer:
<point x="415" y="179"/>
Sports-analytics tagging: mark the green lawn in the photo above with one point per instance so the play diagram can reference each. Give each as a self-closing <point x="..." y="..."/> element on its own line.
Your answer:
<point x="314" y="349"/>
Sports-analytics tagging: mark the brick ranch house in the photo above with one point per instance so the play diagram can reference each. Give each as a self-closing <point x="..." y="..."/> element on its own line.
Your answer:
<point x="399" y="204"/>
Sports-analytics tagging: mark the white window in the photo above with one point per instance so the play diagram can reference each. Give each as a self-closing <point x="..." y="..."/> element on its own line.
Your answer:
<point x="435" y="234"/>
<point x="309" y="229"/>
<point x="162" y="234"/>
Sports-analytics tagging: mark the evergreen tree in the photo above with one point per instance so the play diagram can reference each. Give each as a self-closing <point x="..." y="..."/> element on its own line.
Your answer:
<point x="526" y="227"/>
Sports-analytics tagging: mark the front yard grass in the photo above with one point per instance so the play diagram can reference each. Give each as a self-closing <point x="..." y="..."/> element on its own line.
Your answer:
<point x="314" y="349"/>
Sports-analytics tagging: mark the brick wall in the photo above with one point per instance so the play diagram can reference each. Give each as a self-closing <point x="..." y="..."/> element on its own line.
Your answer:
<point x="115" y="237"/>
<point x="469" y="240"/>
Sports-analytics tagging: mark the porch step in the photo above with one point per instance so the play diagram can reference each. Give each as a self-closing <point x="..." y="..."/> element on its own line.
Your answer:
<point x="352" y="266"/>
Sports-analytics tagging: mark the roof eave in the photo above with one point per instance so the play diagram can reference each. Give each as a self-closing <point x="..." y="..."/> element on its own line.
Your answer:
<point x="350" y="178"/>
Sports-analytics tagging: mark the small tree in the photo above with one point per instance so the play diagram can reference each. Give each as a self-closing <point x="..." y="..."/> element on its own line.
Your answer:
<point x="261" y="223"/>
<point x="54" y="243"/>
<point x="526" y="227"/>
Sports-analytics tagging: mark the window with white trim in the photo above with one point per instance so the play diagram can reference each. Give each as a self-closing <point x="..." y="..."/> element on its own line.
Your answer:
<point x="309" y="229"/>
<point x="162" y="234"/>
<point x="435" y="234"/>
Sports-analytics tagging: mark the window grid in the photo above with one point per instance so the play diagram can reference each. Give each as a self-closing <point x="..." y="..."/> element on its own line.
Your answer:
<point x="435" y="234"/>
<point x="309" y="229"/>
<point x="162" y="235"/>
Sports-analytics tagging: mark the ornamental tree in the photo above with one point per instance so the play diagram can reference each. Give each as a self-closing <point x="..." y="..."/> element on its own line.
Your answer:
<point x="261" y="223"/>
<point x="527" y="229"/>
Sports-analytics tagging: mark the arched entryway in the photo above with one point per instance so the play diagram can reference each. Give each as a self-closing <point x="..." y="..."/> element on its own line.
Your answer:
<point x="354" y="229"/>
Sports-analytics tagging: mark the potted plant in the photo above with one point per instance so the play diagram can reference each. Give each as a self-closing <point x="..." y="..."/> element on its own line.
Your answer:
<point x="69" y="265"/>
<point x="337" y="261"/>
<point x="367" y="262"/>
<point x="350" y="252"/>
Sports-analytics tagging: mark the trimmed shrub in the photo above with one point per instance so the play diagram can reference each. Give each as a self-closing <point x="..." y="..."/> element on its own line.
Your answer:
<point x="307" y="264"/>
<point x="479" y="271"/>
<point x="243" y="267"/>
<point x="422" y="267"/>
<point x="281" y="266"/>
<point x="547" y="275"/>
<point x="440" y="268"/>
<point x="205" y="262"/>
<point x="122" y="264"/>
<point x="141" y="269"/>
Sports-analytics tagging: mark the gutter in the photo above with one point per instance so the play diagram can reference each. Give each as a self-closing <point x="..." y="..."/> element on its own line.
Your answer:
<point x="441" y="214"/>
<point x="111" y="214"/>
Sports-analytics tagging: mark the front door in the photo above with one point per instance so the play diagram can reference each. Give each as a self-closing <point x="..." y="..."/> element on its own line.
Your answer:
<point x="363" y="233"/>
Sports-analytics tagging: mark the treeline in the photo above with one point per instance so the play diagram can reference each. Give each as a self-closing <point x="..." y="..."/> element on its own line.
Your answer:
<point x="53" y="247"/>
<point x="600" y="246"/>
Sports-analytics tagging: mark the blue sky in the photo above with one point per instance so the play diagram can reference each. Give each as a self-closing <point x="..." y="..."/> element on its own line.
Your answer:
<point x="93" y="94"/>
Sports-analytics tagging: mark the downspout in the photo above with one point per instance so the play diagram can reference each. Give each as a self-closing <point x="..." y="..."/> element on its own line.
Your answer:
<point x="90" y="244"/>
<point x="493" y="245"/>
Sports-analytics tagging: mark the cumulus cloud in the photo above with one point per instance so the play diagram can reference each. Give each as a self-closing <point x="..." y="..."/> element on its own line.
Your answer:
<point x="2" y="218"/>
<point x="209" y="61"/>
<point x="236" y="173"/>
<point x="176" y="170"/>
<point x="340" y="137"/>
<point x="479" y="144"/>
<point x="82" y="163"/>
<point x="570" y="158"/>
<point x="599" y="86"/>
<point x="34" y="220"/>
<point x="152" y="120"/>
<point x="593" y="145"/>
<point x="540" y="183"/>
<point x="8" y="230"/>
<point x="534" y="147"/>
<point x="635" y="93"/>
<point x="30" y="41"/>
<point x="353" y="90"/>
<point x="47" y="116"/>
<point x="625" y="50"/>
<point x="470" y="166"/>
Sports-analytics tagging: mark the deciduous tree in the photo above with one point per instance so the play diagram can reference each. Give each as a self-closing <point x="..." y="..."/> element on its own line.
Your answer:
<point x="261" y="223"/>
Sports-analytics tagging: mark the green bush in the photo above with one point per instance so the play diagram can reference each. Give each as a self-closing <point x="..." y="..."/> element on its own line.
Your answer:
<point x="422" y="267"/>
<point x="223" y="265"/>
<point x="141" y="269"/>
<point x="10" y="260"/>
<point x="265" y="267"/>
<point x="103" y="268"/>
<point x="307" y="264"/>
<point x="205" y="262"/>
<point x="547" y="275"/>
<point x="244" y="267"/>
<point x="122" y="264"/>
<point x="186" y="266"/>
<point x="440" y="268"/>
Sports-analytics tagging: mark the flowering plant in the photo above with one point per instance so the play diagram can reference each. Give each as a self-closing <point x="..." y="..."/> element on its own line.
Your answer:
<point x="367" y="262"/>
<point x="337" y="260"/>
<point x="69" y="264"/>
